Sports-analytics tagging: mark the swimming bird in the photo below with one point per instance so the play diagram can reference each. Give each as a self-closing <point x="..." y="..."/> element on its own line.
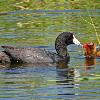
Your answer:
<point x="91" y="50"/>
<point x="40" y="55"/>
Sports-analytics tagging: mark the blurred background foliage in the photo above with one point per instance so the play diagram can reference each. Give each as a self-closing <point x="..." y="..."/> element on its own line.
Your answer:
<point x="10" y="5"/>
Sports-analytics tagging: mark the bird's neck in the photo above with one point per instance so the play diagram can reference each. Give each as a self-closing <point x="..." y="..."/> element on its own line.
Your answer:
<point x="61" y="48"/>
<point x="62" y="52"/>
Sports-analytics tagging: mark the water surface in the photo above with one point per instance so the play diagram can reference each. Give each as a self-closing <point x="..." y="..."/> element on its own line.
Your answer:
<point x="77" y="80"/>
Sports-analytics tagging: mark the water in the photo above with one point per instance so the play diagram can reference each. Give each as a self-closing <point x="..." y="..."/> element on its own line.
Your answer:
<point x="77" y="80"/>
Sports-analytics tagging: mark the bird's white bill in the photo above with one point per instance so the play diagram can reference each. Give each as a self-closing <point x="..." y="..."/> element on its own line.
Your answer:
<point x="75" y="41"/>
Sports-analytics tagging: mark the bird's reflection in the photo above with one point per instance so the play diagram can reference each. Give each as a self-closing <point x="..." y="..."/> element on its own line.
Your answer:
<point x="64" y="76"/>
<point x="62" y="69"/>
<point x="90" y="61"/>
<point x="22" y="65"/>
<point x="65" y="73"/>
<point x="66" y="80"/>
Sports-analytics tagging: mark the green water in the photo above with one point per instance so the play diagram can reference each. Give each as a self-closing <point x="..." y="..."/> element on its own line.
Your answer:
<point x="27" y="23"/>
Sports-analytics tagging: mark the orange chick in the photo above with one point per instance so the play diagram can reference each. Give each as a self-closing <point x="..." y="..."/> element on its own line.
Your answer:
<point x="91" y="51"/>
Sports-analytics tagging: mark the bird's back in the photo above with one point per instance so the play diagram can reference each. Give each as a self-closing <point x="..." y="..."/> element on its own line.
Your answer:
<point x="28" y="55"/>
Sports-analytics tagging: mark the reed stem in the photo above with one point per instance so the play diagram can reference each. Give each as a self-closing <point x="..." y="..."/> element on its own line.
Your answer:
<point x="92" y="23"/>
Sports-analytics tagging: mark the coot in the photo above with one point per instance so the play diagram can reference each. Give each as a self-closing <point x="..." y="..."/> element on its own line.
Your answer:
<point x="37" y="55"/>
